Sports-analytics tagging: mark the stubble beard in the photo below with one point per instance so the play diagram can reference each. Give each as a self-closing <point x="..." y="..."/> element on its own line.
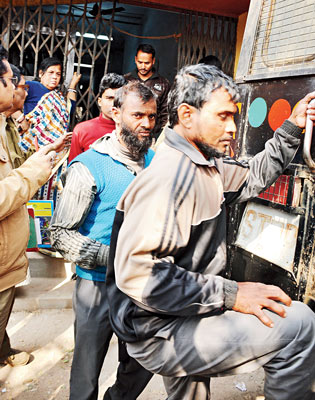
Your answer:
<point x="209" y="151"/>
<point x="138" y="148"/>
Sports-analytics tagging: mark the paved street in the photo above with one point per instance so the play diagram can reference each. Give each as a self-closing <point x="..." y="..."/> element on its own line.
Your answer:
<point x="48" y="335"/>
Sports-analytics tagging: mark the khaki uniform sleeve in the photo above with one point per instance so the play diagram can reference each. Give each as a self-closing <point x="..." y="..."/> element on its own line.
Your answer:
<point x="20" y="185"/>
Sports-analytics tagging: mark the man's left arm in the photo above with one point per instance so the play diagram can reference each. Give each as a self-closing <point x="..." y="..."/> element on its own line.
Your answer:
<point x="243" y="181"/>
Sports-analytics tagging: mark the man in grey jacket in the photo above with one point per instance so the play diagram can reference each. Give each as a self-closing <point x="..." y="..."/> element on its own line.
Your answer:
<point x="179" y="316"/>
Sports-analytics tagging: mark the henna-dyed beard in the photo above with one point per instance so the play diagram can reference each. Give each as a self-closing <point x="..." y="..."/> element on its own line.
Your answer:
<point x="137" y="147"/>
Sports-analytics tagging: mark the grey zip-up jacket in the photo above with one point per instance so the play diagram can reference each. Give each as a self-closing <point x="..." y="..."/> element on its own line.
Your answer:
<point x="168" y="245"/>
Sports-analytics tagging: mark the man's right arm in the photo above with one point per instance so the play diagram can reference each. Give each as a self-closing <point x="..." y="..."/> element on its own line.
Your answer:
<point x="71" y="211"/>
<point x="19" y="186"/>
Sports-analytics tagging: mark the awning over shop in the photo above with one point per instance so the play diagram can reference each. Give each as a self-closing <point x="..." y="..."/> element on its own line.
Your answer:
<point x="230" y="8"/>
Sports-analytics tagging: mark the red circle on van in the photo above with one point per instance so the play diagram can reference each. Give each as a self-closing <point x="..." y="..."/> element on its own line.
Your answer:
<point x="279" y="112"/>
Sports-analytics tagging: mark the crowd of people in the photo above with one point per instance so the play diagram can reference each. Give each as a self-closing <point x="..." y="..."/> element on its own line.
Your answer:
<point x="147" y="231"/>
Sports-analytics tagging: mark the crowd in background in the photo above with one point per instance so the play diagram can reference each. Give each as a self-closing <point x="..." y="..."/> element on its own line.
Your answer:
<point x="147" y="231"/>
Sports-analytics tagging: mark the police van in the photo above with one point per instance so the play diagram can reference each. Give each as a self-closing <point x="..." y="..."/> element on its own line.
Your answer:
<point x="271" y="238"/>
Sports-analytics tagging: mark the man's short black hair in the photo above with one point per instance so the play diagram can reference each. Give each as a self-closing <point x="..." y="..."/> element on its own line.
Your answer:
<point x="21" y="69"/>
<point x="146" y="48"/>
<point x="3" y="56"/>
<point x="111" y="81"/>
<point x="144" y="93"/>
<point x="211" y="60"/>
<point x="16" y="72"/>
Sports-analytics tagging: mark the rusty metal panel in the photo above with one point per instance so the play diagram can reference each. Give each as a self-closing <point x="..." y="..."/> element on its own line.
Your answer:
<point x="205" y="34"/>
<point x="281" y="40"/>
<point x="270" y="234"/>
<point x="35" y="32"/>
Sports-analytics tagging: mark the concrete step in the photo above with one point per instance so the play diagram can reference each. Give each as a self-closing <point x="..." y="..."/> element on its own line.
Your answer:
<point x="50" y="285"/>
<point x="44" y="293"/>
<point x="43" y="265"/>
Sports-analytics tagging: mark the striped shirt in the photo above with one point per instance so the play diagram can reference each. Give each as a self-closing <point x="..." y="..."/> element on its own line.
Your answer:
<point x="48" y="121"/>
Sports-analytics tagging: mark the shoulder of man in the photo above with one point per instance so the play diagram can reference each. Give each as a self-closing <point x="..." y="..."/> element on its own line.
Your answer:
<point x="131" y="76"/>
<point x="84" y="125"/>
<point x="89" y="159"/>
<point x="164" y="80"/>
<point x="159" y="83"/>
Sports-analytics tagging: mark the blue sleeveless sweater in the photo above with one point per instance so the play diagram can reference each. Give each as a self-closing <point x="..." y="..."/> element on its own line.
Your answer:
<point x="111" y="178"/>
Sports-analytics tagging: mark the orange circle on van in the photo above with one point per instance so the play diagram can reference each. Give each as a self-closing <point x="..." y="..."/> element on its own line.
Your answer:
<point x="279" y="112"/>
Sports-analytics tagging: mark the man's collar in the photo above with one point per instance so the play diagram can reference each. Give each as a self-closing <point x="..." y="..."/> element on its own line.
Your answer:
<point x="134" y="74"/>
<point x="106" y="120"/>
<point x="173" y="139"/>
<point x="155" y="75"/>
<point x="101" y="145"/>
<point x="110" y="144"/>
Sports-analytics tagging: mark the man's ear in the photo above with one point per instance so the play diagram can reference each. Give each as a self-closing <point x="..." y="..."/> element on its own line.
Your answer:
<point x="40" y="73"/>
<point x="99" y="101"/>
<point x="153" y="61"/>
<point x="185" y="114"/>
<point x="116" y="115"/>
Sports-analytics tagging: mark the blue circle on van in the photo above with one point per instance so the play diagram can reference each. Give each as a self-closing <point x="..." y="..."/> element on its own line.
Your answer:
<point x="257" y="112"/>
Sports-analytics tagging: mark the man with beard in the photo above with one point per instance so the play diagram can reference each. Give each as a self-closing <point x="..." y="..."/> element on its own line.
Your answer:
<point x="179" y="316"/>
<point x="81" y="231"/>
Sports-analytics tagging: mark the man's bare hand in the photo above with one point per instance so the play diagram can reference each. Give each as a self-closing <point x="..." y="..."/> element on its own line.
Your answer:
<point x="62" y="142"/>
<point x="253" y="297"/>
<point x="46" y="157"/>
<point x="75" y="80"/>
<point x="304" y="108"/>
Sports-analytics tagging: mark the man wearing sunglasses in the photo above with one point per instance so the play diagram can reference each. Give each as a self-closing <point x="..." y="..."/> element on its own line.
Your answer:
<point x="13" y="123"/>
<point x="17" y="186"/>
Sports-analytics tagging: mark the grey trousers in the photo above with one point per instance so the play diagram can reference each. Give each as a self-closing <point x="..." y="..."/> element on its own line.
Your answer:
<point x="230" y="343"/>
<point x="6" y="304"/>
<point x="93" y="333"/>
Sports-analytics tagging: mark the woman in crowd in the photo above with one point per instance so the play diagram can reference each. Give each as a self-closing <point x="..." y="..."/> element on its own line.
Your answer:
<point x="46" y="117"/>
<point x="46" y="111"/>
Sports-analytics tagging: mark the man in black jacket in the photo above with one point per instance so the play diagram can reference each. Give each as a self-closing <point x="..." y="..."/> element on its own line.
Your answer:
<point x="145" y="73"/>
